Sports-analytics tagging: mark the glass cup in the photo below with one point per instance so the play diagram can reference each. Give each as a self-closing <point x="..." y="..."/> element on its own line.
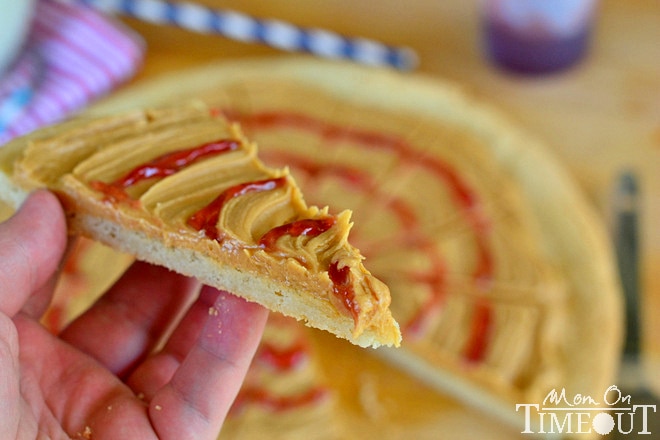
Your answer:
<point x="537" y="36"/>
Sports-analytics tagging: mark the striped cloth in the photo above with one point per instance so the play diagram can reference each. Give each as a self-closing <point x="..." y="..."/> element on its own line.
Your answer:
<point x="73" y="56"/>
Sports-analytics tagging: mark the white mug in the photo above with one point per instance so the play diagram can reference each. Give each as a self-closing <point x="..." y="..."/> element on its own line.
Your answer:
<point x="15" y="19"/>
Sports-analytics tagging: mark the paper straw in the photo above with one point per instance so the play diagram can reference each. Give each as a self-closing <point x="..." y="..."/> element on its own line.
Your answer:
<point x="275" y="33"/>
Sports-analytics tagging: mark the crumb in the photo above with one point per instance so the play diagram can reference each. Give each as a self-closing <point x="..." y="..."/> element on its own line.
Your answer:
<point x="87" y="433"/>
<point x="158" y="407"/>
<point x="213" y="311"/>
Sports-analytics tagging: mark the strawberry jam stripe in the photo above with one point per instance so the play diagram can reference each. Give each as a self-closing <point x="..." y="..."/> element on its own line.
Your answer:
<point x="354" y="176"/>
<point x="163" y="166"/>
<point x="170" y="163"/>
<point x="300" y="228"/>
<point x="207" y="218"/>
<point x="434" y="278"/>
<point x="326" y="131"/>
<point x="482" y="322"/>
<point x="277" y="403"/>
<point x="464" y="196"/>
<point x="343" y="288"/>
<point x="287" y="358"/>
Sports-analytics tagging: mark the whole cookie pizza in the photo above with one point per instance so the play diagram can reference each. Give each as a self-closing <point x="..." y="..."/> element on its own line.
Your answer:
<point x="500" y="273"/>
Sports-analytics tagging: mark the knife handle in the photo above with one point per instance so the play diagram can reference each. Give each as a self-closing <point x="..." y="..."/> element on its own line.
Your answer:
<point x="626" y="240"/>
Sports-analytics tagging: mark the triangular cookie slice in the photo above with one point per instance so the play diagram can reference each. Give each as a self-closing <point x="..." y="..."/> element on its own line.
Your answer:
<point x="183" y="188"/>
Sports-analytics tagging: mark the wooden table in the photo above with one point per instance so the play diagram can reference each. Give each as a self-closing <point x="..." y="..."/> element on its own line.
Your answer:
<point x="600" y="117"/>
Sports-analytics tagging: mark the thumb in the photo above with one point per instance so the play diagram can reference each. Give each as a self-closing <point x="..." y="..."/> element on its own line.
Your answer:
<point x="32" y="243"/>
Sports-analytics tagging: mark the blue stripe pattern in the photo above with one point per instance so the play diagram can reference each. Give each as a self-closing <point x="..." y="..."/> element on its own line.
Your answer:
<point x="242" y="27"/>
<point x="171" y="13"/>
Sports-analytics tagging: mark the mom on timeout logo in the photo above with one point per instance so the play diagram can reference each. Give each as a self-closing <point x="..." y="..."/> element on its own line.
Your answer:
<point x="583" y="414"/>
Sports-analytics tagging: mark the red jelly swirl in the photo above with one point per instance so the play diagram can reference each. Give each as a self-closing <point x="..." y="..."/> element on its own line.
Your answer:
<point x="206" y="219"/>
<point x="272" y="402"/>
<point x="288" y="360"/>
<point x="343" y="288"/>
<point x="283" y="359"/>
<point x="305" y="228"/>
<point x="163" y="166"/>
<point x="482" y="321"/>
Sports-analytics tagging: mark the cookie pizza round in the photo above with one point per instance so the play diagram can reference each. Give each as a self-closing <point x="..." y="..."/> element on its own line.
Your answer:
<point x="500" y="272"/>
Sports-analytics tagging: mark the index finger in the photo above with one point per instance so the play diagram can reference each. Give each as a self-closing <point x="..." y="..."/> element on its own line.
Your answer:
<point x="205" y="385"/>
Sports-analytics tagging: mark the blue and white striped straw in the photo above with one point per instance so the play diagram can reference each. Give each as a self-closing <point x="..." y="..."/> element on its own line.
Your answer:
<point x="275" y="33"/>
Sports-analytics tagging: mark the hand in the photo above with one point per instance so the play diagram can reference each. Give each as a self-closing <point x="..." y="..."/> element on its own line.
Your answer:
<point x="155" y="357"/>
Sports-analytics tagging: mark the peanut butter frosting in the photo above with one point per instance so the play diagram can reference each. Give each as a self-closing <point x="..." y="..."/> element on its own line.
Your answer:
<point x="185" y="176"/>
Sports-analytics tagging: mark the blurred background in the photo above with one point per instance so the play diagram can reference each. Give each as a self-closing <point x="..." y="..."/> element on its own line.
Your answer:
<point x="600" y="115"/>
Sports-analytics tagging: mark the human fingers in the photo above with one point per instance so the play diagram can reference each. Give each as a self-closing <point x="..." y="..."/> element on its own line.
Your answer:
<point x="129" y="320"/>
<point x="32" y="243"/>
<point x="64" y="390"/>
<point x="195" y="402"/>
<point x="158" y="369"/>
<point x="9" y="379"/>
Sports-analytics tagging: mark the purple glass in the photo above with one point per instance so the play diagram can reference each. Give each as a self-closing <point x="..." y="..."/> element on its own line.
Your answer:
<point x="537" y="36"/>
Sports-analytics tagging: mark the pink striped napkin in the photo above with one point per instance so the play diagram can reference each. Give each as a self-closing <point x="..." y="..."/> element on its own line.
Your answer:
<point x="73" y="56"/>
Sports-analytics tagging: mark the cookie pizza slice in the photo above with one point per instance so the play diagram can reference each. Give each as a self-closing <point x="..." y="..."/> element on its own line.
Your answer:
<point x="183" y="188"/>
